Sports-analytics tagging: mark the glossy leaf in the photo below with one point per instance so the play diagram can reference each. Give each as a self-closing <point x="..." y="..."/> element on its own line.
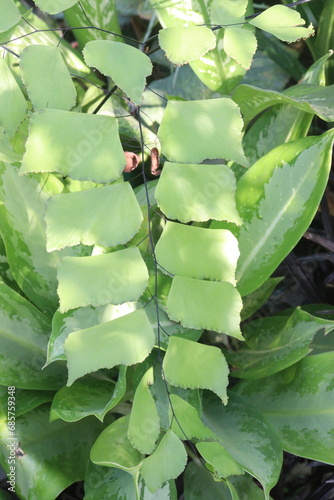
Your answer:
<point x="239" y="427"/>
<point x="220" y="459"/>
<point x="88" y="396"/>
<point x="144" y="425"/>
<point x="63" y="447"/>
<point x="108" y="57"/>
<point x="123" y="341"/>
<point x="192" y="131"/>
<point x="275" y="219"/>
<point x="13" y="106"/>
<point x="199" y="483"/>
<point x="204" y="304"/>
<point x="299" y="404"/>
<point x="282" y="122"/>
<point x="101" y="14"/>
<point x="305" y="97"/>
<point x="54" y="6"/>
<point x="274" y="343"/>
<point x="196" y="366"/>
<point x="197" y="192"/>
<point x="184" y="44"/>
<point x="47" y="78"/>
<point x="185" y="421"/>
<point x="256" y="299"/>
<point x="25" y="400"/>
<point x="113" y="448"/>
<point x="282" y="22"/>
<point x="167" y="462"/>
<point x="83" y="146"/>
<point x="88" y="223"/>
<point x="214" y="253"/>
<point x="78" y="319"/>
<point x="97" y="280"/>
<point x="9" y="15"/>
<point x="24" y="335"/>
<point x="112" y="484"/>
<point x="240" y="44"/>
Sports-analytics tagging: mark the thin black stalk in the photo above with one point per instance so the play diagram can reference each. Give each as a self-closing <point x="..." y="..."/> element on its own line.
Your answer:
<point x="104" y="100"/>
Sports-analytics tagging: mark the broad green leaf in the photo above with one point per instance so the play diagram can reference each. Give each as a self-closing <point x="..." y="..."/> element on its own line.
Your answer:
<point x="167" y="462"/>
<point x="115" y="484"/>
<point x="88" y="223"/>
<point x="97" y="280"/>
<point x="13" y="106"/>
<point x="47" y="78"/>
<point x="199" y="483"/>
<point x="185" y="421"/>
<point x="54" y="6"/>
<point x="204" y="304"/>
<point x="54" y="455"/>
<point x="220" y="459"/>
<point x="193" y="131"/>
<point x="197" y="192"/>
<point x="281" y="122"/>
<point x="88" y="396"/>
<point x="244" y="488"/>
<point x="108" y="57"/>
<point x="22" y="229"/>
<point x="78" y="319"/>
<point x="123" y="341"/>
<point x="240" y="44"/>
<point x="25" y="400"/>
<point x="225" y="12"/>
<point x="184" y="44"/>
<point x="247" y="436"/>
<point x="24" y="335"/>
<point x="101" y="15"/>
<point x="214" y="252"/>
<point x="9" y="15"/>
<point x="196" y="366"/>
<point x="274" y="343"/>
<point x="282" y="22"/>
<point x="256" y="299"/>
<point x="113" y="448"/>
<point x="85" y="147"/>
<point x="305" y="97"/>
<point x="275" y="219"/>
<point x="144" y="426"/>
<point x="299" y="404"/>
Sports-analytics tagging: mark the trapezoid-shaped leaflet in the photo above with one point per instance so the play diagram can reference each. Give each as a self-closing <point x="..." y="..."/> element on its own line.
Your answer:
<point x="108" y="57"/>
<point x="198" y="252"/>
<point x="47" y="78"/>
<point x="122" y="341"/>
<point x="114" y="278"/>
<point x="188" y="192"/>
<point x="80" y="145"/>
<point x="192" y="131"/>
<point x="89" y="226"/>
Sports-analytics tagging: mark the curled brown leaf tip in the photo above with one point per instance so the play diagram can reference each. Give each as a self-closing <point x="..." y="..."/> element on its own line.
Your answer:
<point x="155" y="161"/>
<point x="132" y="161"/>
